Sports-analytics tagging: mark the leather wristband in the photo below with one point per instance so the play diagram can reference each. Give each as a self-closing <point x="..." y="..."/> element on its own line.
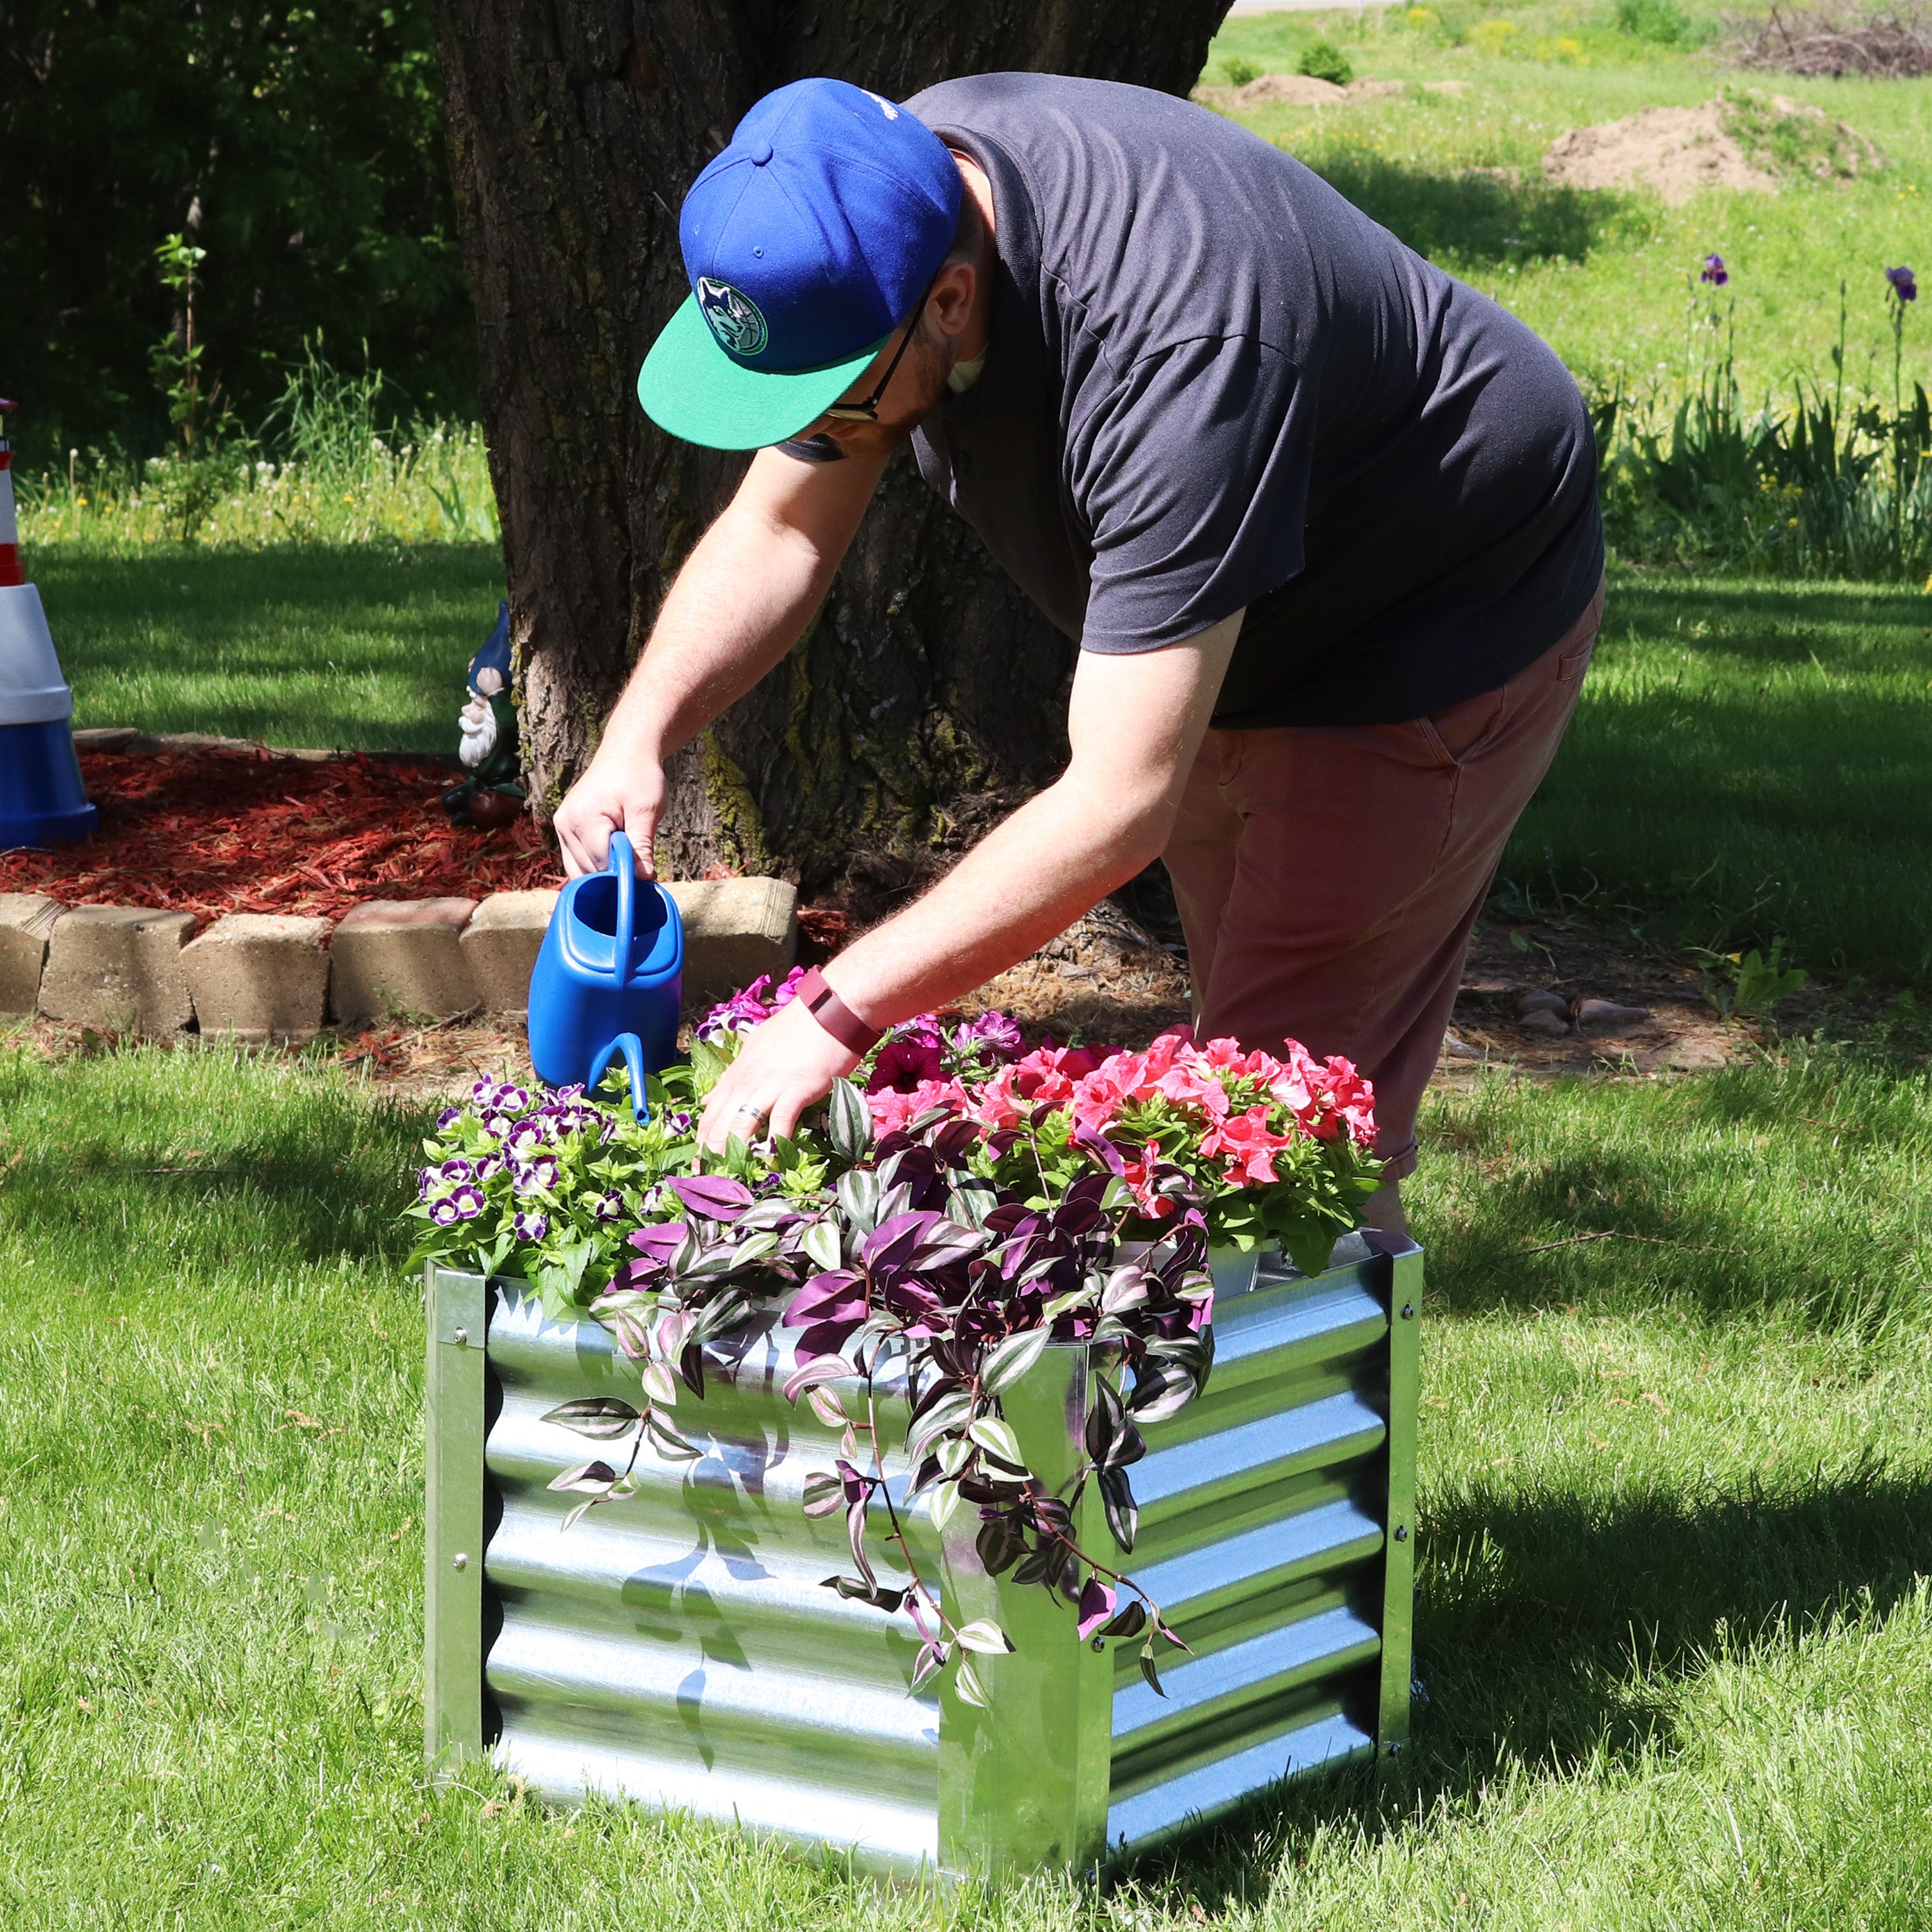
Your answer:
<point x="834" y="1015"/>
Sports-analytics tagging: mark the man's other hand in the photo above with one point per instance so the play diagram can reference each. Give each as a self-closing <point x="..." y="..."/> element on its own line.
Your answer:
<point x="628" y="798"/>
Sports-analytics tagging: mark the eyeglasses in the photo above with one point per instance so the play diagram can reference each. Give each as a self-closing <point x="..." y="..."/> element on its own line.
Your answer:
<point x="867" y="410"/>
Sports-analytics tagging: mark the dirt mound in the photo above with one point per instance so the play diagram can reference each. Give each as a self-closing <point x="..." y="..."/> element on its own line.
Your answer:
<point x="1745" y="139"/>
<point x="1673" y="150"/>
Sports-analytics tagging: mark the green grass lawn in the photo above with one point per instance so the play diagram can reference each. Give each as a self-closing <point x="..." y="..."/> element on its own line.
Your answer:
<point x="358" y="646"/>
<point x="1673" y="1624"/>
<point x="1602" y="274"/>
<point x="1748" y="759"/>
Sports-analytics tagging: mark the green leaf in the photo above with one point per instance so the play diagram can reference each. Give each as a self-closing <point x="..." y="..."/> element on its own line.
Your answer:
<point x="984" y="1636"/>
<point x="998" y="1439"/>
<point x="850" y="1120"/>
<point x="820" y="1242"/>
<point x="966" y="1683"/>
<point x="599" y="1417"/>
<point x="1011" y="1360"/>
<point x="944" y="1505"/>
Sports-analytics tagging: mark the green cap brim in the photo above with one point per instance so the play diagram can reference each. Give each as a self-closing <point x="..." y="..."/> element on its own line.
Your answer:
<point x="689" y="386"/>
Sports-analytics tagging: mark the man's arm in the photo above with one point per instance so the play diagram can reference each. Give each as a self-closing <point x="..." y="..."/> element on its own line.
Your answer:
<point x="1134" y="723"/>
<point x="745" y="595"/>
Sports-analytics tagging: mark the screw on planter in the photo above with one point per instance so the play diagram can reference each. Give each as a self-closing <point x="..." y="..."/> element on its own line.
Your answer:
<point x="1409" y="1311"/>
<point x="1402" y="1532"/>
<point x="461" y="1336"/>
<point x="460" y="1561"/>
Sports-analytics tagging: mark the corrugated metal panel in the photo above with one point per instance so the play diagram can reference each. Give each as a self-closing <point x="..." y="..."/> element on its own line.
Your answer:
<point x="677" y="1646"/>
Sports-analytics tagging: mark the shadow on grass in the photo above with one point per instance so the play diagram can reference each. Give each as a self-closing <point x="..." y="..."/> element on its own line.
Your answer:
<point x="1467" y="216"/>
<point x="330" y="1184"/>
<point x="1744" y="764"/>
<point x="1552" y="1631"/>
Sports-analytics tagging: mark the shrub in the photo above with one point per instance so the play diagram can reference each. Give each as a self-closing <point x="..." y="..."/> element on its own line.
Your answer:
<point x="1322" y="60"/>
<point x="1240" y="72"/>
<point x="1663" y="22"/>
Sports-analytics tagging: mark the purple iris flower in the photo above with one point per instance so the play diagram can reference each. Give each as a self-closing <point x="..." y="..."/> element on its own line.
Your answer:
<point x="530" y="1175"/>
<point x="611" y="1207"/>
<point x="482" y="1093"/>
<point x="448" y="1118"/>
<point x="529" y="1227"/>
<point x="486" y="1164"/>
<point x="529" y="1134"/>
<point x="677" y="1124"/>
<point x="426" y="1179"/>
<point x="1715" y="273"/>
<point x="444" y="1212"/>
<point x="456" y="1170"/>
<point x="1903" y="285"/>
<point x="467" y="1200"/>
<point x="496" y="1125"/>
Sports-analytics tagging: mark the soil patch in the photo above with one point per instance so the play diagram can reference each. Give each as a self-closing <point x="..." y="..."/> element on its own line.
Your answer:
<point x="1675" y="151"/>
<point x="1746" y="140"/>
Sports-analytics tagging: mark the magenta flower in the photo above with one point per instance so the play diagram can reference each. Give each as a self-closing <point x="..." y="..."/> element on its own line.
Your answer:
<point x="1715" y="273"/>
<point x="1903" y="285"/>
<point x="529" y="1227"/>
<point x="903" y="1064"/>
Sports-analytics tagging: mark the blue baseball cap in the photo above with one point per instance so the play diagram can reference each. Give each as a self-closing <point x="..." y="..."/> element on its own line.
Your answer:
<point x="806" y="243"/>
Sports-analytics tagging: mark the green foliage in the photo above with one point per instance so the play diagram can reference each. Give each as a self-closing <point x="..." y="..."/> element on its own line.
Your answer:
<point x="1796" y="142"/>
<point x="1322" y="60"/>
<point x="1741" y="985"/>
<point x="1661" y="22"/>
<point x="1240" y="72"/>
<point x="300" y="149"/>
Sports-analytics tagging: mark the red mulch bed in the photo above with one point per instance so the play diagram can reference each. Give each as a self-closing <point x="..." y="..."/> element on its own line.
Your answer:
<point x="215" y="831"/>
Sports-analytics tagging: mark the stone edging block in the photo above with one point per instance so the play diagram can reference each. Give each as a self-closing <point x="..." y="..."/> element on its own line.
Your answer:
<point x="502" y="942"/>
<point x="259" y="976"/>
<point x="26" y="923"/>
<point x="734" y="929"/>
<point x="262" y="975"/>
<point x="403" y="956"/>
<point x="118" y="968"/>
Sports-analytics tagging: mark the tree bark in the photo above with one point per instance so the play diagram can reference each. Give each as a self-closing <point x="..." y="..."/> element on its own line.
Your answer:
<point x="928" y="695"/>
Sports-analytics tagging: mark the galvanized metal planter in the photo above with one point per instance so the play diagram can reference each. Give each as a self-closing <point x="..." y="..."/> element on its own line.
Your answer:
<point x="677" y="1648"/>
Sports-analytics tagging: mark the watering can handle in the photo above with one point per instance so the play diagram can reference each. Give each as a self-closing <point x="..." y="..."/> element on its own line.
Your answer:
<point x="624" y="865"/>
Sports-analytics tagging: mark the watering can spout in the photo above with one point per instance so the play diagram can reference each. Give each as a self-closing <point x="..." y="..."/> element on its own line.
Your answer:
<point x="608" y="979"/>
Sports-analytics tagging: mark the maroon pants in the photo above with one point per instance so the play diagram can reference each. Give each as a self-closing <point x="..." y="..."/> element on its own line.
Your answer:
<point x="1328" y="878"/>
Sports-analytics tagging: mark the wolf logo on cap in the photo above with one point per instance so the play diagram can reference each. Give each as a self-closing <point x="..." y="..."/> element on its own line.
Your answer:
<point x="734" y="318"/>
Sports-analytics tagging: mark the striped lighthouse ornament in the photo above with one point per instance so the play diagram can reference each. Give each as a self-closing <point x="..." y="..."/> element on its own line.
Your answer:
<point x="42" y="799"/>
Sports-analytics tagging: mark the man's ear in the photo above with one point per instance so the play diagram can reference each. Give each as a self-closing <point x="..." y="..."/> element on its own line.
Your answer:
<point x="949" y="305"/>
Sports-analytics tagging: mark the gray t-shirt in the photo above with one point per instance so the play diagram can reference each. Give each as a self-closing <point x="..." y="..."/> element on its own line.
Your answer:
<point x="1213" y="383"/>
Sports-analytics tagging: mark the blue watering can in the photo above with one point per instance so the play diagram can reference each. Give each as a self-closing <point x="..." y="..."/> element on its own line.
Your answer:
<point x="607" y="980"/>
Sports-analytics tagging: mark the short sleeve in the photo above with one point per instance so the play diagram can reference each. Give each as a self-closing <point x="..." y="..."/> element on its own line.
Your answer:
<point x="1193" y="476"/>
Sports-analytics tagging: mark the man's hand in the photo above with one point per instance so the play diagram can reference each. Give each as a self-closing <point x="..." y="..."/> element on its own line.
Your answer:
<point x="621" y="796"/>
<point x="783" y="1067"/>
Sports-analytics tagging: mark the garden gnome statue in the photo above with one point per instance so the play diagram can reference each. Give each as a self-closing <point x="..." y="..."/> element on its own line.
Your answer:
<point x="491" y="796"/>
<point x="42" y="800"/>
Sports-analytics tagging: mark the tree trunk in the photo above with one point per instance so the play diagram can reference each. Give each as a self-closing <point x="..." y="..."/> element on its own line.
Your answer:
<point x="928" y="695"/>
